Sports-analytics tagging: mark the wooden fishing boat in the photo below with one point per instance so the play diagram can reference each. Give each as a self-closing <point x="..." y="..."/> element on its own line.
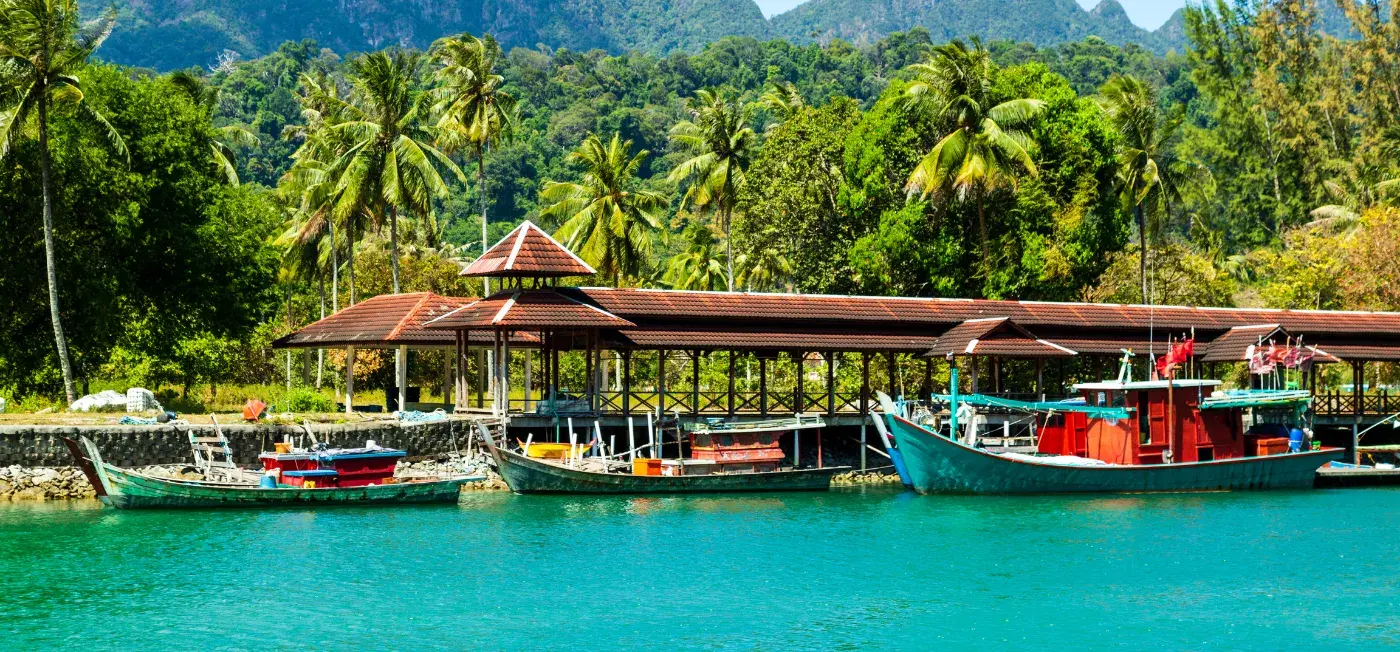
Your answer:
<point x="127" y="489"/>
<point x="528" y="475"/>
<point x="1120" y="436"/>
<point x="937" y="464"/>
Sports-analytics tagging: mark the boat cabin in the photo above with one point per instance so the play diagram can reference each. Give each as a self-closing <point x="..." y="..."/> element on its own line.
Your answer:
<point x="333" y="467"/>
<point x="754" y="447"/>
<point x="1165" y="424"/>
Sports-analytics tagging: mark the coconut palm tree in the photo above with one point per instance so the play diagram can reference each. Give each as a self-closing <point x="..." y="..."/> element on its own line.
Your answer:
<point x="1149" y="174"/>
<point x="475" y="113"/>
<point x="226" y="137"/>
<point x="698" y="268"/>
<point x="390" y="162"/>
<point x="982" y="149"/>
<point x="764" y="270"/>
<point x="721" y="145"/>
<point x="606" y="219"/>
<point x="782" y="101"/>
<point x="44" y="45"/>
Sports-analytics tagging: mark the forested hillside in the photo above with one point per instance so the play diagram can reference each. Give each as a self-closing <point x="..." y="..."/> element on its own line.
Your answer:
<point x="1256" y="168"/>
<point x="165" y="34"/>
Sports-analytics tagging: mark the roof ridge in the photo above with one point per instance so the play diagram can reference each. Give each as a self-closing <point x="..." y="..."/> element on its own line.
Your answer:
<point x="403" y="321"/>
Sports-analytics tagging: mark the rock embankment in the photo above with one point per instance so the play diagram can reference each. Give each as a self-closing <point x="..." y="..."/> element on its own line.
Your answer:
<point x="43" y="483"/>
<point x="865" y="479"/>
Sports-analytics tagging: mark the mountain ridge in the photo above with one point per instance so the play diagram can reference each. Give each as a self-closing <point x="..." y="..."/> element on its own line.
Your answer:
<point x="169" y="34"/>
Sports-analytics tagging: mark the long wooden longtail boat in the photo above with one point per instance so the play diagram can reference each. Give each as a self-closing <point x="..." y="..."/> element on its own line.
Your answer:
<point x="938" y="464"/>
<point x="126" y="489"/>
<point x="528" y="475"/>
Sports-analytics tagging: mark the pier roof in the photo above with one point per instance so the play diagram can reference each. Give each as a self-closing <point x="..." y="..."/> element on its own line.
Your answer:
<point x="995" y="336"/>
<point x="529" y="310"/>
<point x="384" y="321"/>
<point x="528" y="252"/>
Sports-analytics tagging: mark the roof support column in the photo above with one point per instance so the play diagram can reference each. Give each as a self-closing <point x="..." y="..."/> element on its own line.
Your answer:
<point x="762" y="386"/>
<point x="695" y="382"/>
<point x="731" y="384"/>
<point x="1040" y="378"/>
<point x="480" y="378"/>
<point x="447" y="374"/>
<point x="528" y="379"/>
<point x="864" y="382"/>
<point x="660" y="382"/>
<point x="801" y="399"/>
<point x="973" y="362"/>
<point x="589" y="382"/>
<point x="928" y="379"/>
<point x="1358" y="396"/>
<point x="401" y="375"/>
<point x="894" y="373"/>
<point x="831" y="383"/>
<point x="349" y="379"/>
<point x="627" y="384"/>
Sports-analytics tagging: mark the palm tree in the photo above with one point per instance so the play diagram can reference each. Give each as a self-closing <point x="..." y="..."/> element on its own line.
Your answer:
<point x="43" y="47"/>
<point x="390" y="162"/>
<point x="309" y="184"/>
<point x="605" y="218"/>
<point x="1149" y="174"/>
<point x="721" y="144"/>
<point x="697" y="268"/>
<point x="766" y="269"/>
<point x="982" y="148"/>
<point x="781" y="100"/>
<point x="475" y="112"/>
<point x="226" y="137"/>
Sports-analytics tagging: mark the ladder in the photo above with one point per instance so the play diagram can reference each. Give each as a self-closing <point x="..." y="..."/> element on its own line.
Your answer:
<point x="213" y="457"/>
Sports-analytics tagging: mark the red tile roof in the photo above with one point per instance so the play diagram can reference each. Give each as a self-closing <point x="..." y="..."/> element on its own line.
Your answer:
<point x="529" y="310"/>
<point x="1231" y="346"/>
<point x="995" y="336"/>
<point x="384" y="320"/>
<point x="528" y="252"/>
<point x="635" y="303"/>
<point x="775" y="340"/>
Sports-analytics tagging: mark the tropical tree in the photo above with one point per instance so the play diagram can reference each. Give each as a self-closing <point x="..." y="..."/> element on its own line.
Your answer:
<point x="475" y="113"/>
<point x="721" y="145"/>
<point x="606" y="219"/>
<point x="981" y="148"/>
<point x="698" y="267"/>
<point x="764" y="270"/>
<point x="227" y="137"/>
<point x="44" y="46"/>
<point x="783" y="101"/>
<point x="390" y="162"/>
<point x="1149" y="173"/>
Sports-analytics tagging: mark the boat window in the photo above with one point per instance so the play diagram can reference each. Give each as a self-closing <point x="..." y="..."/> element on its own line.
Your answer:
<point x="1101" y="400"/>
<point x="726" y="440"/>
<point x="1119" y="400"/>
<point x="766" y="439"/>
<point x="702" y="441"/>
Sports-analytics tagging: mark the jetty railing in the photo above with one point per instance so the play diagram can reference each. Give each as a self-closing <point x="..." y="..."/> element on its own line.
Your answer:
<point x="1342" y="404"/>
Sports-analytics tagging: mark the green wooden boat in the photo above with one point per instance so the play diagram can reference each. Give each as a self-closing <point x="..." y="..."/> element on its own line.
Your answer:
<point x="126" y="489"/>
<point x="528" y="475"/>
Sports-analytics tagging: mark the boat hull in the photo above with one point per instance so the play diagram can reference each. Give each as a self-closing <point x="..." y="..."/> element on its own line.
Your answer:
<point x="937" y="464"/>
<point x="531" y="476"/>
<point x="125" y="489"/>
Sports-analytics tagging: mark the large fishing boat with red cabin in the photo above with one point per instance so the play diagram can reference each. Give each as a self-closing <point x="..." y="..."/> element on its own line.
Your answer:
<point x="1160" y="435"/>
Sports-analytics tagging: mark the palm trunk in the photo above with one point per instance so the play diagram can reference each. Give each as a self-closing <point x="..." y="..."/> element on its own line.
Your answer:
<point x="1142" y="253"/>
<point x="481" y="193"/>
<point x="335" y="271"/>
<point x="728" y="205"/>
<point x="394" y="245"/>
<point x="982" y="233"/>
<point x="50" y="262"/>
<point x="321" y="352"/>
<point x="350" y="261"/>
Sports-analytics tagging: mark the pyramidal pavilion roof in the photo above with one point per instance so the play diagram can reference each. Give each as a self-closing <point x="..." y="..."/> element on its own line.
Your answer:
<point x="528" y="252"/>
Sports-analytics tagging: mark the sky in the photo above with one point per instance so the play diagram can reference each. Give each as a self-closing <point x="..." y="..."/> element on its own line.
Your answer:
<point x="1146" y="13"/>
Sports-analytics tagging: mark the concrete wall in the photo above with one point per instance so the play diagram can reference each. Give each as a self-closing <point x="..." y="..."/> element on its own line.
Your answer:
<point x="42" y="446"/>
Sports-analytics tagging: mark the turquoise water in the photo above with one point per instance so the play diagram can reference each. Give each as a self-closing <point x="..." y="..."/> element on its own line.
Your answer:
<point x="845" y="570"/>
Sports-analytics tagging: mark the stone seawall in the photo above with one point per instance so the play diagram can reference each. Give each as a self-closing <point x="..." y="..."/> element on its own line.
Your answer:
<point x="130" y="446"/>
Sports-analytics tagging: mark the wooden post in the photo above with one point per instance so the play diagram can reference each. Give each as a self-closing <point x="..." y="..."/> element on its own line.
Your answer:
<point x="831" y="383"/>
<point x="447" y="376"/>
<point x="894" y="373"/>
<point x="529" y="385"/>
<point x="731" y="383"/>
<point x="928" y="379"/>
<point x="763" y="386"/>
<point x="505" y="373"/>
<point x="588" y="382"/>
<point x="800" y="358"/>
<point x="1040" y="378"/>
<point x="660" y="382"/>
<point x="349" y="379"/>
<point x="864" y="382"/>
<point x="974" y="374"/>
<point x="627" y="391"/>
<point x="695" y="382"/>
<point x="1358" y="393"/>
<point x="480" y="378"/>
<point x="401" y="375"/>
